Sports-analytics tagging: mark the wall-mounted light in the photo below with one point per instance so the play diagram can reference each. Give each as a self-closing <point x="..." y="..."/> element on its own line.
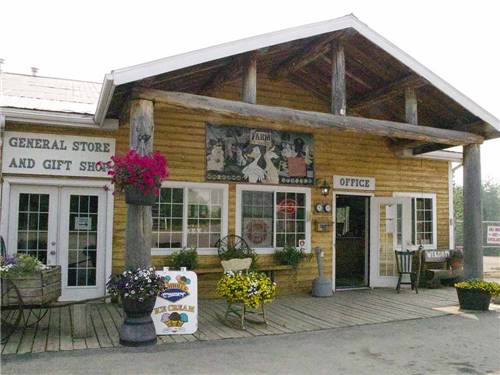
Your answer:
<point x="324" y="188"/>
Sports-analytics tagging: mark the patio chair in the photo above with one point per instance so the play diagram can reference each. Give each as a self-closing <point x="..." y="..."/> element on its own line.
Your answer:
<point x="238" y="308"/>
<point x="406" y="262"/>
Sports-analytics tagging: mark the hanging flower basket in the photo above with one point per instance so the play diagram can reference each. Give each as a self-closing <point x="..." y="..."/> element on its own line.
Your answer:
<point x="134" y="195"/>
<point x="138" y="176"/>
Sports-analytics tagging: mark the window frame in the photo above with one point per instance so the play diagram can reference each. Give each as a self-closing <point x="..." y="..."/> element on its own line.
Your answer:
<point x="185" y="186"/>
<point x="274" y="189"/>
<point x="415" y="195"/>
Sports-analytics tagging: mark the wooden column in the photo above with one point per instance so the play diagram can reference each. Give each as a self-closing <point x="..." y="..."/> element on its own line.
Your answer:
<point x="472" y="230"/>
<point x="249" y="88"/>
<point x="338" y="99"/>
<point x="139" y="218"/>
<point x="411" y="106"/>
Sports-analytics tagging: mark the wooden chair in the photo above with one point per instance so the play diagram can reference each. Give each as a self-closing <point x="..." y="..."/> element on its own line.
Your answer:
<point x="238" y="308"/>
<point x="405" y="261"/>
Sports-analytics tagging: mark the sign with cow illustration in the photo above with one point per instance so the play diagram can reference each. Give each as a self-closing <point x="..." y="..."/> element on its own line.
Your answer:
<point x="259" y="156"/>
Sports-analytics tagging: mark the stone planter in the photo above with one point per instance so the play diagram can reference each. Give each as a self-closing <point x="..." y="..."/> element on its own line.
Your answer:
<point x="473" y="299"/>
<point x="138" y="328"/>
<point x="134" y="195"/>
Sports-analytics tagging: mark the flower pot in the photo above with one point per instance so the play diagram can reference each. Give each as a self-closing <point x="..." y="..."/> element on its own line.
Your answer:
<point x="457" y="264"/>
<point x="134" y="195"/>
<point x="138" y="328"/>
<point x="473" y="299"/>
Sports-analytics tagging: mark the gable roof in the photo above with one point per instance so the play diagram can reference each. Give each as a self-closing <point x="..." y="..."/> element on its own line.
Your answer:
<point x="139" y="72"/>
<point x="48" y="94"/>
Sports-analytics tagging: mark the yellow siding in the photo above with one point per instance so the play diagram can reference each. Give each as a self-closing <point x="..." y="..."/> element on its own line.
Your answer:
<point x="180" y="135"/>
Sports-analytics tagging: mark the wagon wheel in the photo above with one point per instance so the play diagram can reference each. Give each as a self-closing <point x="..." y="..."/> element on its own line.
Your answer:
<point x="32" y="315"/>
<point x="231" y="243"/>
<point x="11" y="308"/>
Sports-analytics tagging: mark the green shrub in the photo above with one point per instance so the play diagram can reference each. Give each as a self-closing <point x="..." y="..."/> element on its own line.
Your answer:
<point x="184" y="258"/>
<point x="490" y="287"/>
<point x="20" y="265"/>
<point x="290" y="256"/>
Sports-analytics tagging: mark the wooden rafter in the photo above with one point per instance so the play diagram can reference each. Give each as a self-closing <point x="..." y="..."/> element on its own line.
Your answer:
<point x="387" y="92"/>
<point x="226" y="73"/>
<point x="306" y="55"/>
<point x="280" y="115"/>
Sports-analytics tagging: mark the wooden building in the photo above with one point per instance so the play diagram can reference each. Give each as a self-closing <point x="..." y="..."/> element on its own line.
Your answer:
<point x="251" y="130"/>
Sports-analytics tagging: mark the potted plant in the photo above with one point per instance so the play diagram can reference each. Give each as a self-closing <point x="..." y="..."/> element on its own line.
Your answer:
<point x="184" y="258"/>
<point x="139" y="176"/>
<point x="137" y="290"/>
<point x="290" y="256"/>
<point x="252" y="289"/>
<point x="456" y="259"/>
<point x="36" y="283"/>
<point x="476" y="294"/>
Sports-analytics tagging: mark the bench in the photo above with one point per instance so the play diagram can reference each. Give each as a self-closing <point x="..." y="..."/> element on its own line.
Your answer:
<point x="436" y="267"/>
<point x="270" y="270"/>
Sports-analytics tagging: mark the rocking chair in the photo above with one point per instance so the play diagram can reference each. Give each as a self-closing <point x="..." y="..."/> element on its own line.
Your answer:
<point x="238" y="308"/>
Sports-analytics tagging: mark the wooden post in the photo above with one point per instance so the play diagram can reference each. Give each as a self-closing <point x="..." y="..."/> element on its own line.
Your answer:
<point x="411" y="106"/>
<point x="249" y="89"/>
<point x="338" y="98"/>
<point x="472" y="230"/>
<point x="139" y="218"/>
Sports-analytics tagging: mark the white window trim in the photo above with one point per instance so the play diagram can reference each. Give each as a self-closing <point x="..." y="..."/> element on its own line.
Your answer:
<point x="279" y="189"/>
<point x="432" y="196"/>
<point x="196" y="185"/>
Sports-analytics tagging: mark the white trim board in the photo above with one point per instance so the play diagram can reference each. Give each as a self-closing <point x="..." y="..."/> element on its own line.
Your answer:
<point x="168" y="64"/>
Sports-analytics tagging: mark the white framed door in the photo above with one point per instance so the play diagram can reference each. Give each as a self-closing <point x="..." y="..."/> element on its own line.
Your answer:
<point x="390" y="230"/>
<point x="64" y="226"/>
<point x="33" y="220"/>
<point x="82" y="242"/>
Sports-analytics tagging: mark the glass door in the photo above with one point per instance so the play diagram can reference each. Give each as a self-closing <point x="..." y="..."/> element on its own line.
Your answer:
<point x="390" y="223"/>
<point x="82" y="237"/>
<point x="33" y="222"/>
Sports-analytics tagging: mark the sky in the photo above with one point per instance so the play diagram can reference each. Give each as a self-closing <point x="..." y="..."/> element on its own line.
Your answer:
<point x="457" y="40"/>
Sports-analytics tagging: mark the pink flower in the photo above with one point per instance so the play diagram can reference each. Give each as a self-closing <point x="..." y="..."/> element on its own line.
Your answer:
<point x="144" y="172"/>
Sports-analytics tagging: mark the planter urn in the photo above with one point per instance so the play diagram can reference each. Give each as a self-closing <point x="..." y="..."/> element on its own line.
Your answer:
<point x="134" y="195"/>
<point x="473" y="299"/>
<point x="138" y="328"/>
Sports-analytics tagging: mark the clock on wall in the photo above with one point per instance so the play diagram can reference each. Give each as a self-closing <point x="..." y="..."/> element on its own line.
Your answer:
<point x="319" y="207"/>
<point x="327" y="208"/>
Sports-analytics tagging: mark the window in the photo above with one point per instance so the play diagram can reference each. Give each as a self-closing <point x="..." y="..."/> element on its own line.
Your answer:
<point x="272" y="217"/>
<point x="189" y="215"/>
<point x="423" y="219"/>
<point x="32" y="226"/>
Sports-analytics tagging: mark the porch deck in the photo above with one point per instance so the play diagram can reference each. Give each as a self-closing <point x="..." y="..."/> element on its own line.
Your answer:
<point x="288" y="314"/>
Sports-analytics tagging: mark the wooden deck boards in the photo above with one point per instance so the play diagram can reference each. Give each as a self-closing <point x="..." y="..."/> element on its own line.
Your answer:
<point x="289" y="314"/>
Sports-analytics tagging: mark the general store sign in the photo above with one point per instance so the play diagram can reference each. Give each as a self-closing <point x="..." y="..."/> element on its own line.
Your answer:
<point x="493" y="235"/>
<point x="53" y="154"/>
<point x="353" y="182"/>
<point x="176" y="308"/>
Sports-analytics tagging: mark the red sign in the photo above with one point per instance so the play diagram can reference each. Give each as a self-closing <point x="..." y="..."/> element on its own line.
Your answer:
<point x="287" y="206"/>
<point x="493" y="235"/>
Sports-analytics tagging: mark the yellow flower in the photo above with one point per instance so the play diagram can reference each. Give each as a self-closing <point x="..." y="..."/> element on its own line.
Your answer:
<point x="251" y="288"/>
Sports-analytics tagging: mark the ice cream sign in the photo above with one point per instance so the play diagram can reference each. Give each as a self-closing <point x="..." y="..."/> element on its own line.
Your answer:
<point x="176" y="308"/>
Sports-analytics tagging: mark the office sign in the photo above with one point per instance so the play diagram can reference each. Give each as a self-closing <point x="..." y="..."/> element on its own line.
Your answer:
<point x="54" y="154"/>
<point x="176" y="308"/>
<point x="493" y="235"/>
<point x="353" y="182"/>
